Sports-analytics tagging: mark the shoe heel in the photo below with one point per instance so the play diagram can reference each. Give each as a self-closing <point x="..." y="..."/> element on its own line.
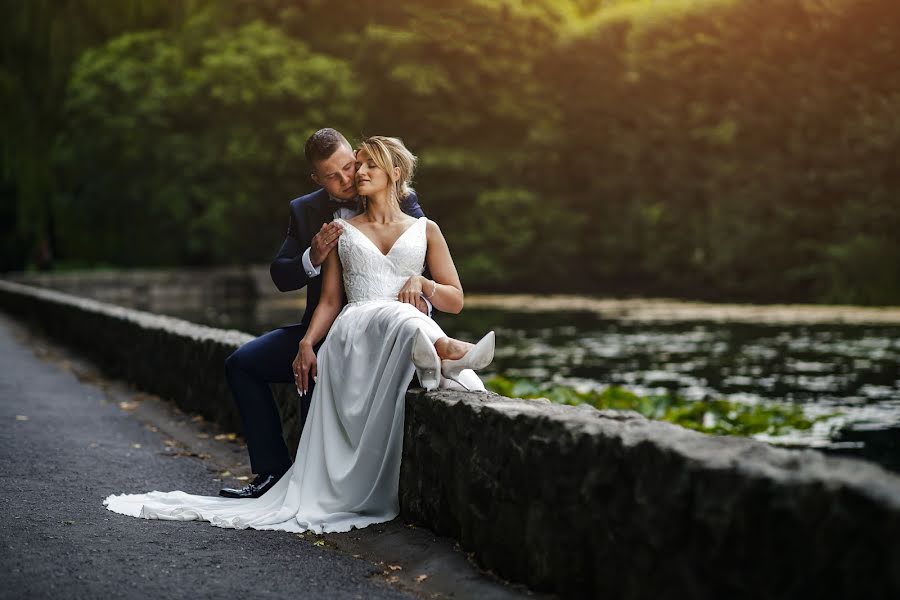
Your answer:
<point x="458" y="382"/>
<point x="478" y="357"/>
<point x="426" y="361"/>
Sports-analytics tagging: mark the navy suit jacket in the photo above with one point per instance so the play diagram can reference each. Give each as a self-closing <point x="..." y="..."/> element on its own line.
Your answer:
<point x="307" y="214"/>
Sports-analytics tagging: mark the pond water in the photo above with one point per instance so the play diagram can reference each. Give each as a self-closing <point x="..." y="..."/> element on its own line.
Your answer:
<point x="851" y="369"/>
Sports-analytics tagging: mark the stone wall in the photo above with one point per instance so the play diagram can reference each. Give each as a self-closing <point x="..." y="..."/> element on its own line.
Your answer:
<point x="170" y="357"/>
<point x="160" y="290"/>
<point x="610" y="504"/>
<point x="583" y="502"/>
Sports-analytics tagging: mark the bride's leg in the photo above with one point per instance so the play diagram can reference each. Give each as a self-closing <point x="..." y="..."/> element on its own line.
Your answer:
<point x="452" y="348"/>
<point x="459" y="357"/>
<point x="445" y="347"/>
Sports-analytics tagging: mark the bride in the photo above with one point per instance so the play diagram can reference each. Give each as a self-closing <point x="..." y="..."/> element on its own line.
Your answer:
<point x="347" y="467"/>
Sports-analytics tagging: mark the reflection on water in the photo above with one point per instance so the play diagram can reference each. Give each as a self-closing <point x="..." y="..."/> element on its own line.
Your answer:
<point x="853" y="369"/>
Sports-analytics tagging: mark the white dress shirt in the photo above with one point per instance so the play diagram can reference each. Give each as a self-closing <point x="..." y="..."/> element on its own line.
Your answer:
<point x="346" y="210"/>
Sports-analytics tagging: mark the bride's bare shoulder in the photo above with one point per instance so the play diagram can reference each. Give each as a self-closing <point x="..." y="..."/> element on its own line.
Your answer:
<point x="433" y="231"/>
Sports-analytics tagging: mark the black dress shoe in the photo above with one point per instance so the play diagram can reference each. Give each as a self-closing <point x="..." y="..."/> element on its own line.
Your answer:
<point x="256" y="488"/>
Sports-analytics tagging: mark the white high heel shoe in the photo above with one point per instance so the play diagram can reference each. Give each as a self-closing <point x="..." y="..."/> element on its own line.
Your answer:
<point x="478" y="357"/>
<point x="426" y="361"/>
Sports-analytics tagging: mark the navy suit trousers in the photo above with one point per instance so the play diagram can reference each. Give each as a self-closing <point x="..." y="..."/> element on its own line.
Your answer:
<point x="249" y="371"/>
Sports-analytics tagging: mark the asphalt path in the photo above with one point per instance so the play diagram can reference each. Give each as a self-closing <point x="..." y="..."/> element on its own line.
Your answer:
<point x="66" y="443"/>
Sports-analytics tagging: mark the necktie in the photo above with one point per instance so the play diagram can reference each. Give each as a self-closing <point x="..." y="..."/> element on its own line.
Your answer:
<point x="334" y="205"/>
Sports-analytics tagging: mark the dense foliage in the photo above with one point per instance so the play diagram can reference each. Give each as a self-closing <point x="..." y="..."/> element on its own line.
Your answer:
<point x="191" y="165"/>
<point x="719" y="149"/>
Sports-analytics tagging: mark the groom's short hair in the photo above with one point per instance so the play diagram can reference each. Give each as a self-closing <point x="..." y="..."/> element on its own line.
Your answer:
<point x="323" y="144"/>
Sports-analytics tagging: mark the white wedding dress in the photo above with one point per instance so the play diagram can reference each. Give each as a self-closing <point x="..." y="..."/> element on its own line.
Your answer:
<point x="347" y="467"/>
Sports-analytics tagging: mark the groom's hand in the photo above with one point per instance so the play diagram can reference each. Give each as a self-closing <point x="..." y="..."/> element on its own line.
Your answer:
<point x="324" y="242"/>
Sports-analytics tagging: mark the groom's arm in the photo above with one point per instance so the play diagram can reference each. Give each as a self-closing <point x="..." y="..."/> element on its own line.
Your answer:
<point x="410" y="205"/>
<point x="287" y="269"/>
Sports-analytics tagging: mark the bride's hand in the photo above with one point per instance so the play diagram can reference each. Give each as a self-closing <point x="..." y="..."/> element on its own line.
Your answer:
<point x="304" y="367"/>
<point x="411" y="293"/>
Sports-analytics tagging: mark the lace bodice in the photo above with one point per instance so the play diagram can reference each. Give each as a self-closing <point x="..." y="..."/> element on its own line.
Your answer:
<point x="369" y="274"/>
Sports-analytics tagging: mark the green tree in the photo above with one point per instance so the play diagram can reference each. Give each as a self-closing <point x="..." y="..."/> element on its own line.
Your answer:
<point x="730" y="141"/>
<point x="187" y="145"/>
<point x="39" y="42"/>
<point x="721" y="149"/>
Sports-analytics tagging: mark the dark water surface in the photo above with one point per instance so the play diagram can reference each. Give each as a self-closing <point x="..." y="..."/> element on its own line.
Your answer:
<point x="852" y="369"/>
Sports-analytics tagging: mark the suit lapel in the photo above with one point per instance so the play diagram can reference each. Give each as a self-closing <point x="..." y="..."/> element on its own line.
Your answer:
<point x="325" y="211"/>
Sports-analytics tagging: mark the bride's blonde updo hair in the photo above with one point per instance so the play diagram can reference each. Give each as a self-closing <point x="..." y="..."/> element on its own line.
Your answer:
<point x="387" y="153"/>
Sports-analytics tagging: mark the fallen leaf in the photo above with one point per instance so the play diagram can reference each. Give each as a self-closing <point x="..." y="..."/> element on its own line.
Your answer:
<point x="421" y="578"/>
<point x="357" y="556"/>
<point x="197" y="418"/>
<point x="170" y="443"/>
<point x="319" y="543"/>
<point x="244" y="478"/>
<point x="21" y="418"/>
<point x="394" y="567"/>
<point x="226" y="436"/>
<point x="225" y="474"/>
<point x="184" y="453"/>
<point x="135" y="445"/>
<point x="126" y="405"/>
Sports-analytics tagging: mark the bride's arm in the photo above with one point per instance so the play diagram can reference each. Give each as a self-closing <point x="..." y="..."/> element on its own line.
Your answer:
<point x="330" y="303"/>
<point x="444" y="290"/>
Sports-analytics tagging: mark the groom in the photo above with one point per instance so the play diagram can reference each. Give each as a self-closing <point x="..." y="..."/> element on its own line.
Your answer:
<point x="311" y="236"/>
